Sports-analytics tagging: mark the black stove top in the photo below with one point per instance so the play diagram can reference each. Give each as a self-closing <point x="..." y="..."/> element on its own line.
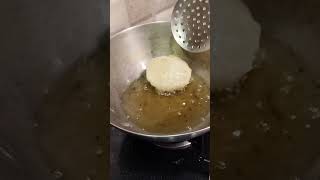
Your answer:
<point x="132" y="158"/>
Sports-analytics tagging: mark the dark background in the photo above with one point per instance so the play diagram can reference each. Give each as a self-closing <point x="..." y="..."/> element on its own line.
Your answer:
<point x="280" y="128"/>
<point x="39" y="40"/>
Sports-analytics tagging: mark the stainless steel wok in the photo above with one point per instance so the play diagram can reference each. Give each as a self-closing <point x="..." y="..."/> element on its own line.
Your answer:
<point x="130" y="51"/>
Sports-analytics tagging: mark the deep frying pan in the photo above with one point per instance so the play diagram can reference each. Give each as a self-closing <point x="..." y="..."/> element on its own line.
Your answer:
<point x="130" y="52"/>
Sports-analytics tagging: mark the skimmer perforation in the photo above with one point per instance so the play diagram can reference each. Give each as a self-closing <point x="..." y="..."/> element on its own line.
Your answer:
<point x="190" y="25"/>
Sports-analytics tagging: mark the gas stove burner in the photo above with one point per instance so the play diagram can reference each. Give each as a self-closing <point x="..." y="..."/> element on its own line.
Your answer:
<point x="135" y="158"/>
<point x="174" y="146"/>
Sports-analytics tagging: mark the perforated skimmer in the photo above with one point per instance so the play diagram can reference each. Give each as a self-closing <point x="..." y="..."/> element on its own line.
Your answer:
<point x="190" y="25"/>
